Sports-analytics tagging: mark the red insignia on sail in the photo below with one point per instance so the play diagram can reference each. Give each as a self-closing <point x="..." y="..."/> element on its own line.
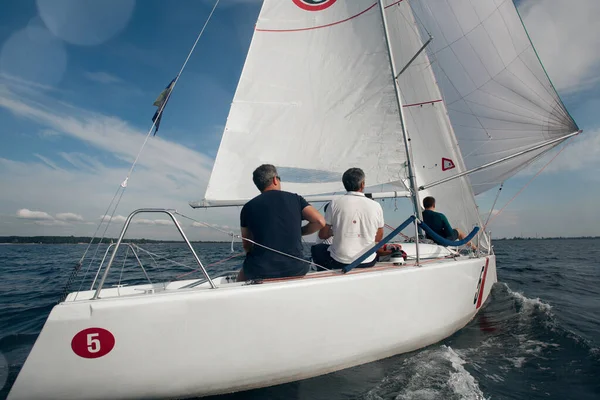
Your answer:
<point x="447" y="164"/>
<point x="314" y="5"/>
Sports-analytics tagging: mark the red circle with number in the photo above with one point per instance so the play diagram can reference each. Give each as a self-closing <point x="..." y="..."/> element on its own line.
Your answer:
<point x="93" y="343"/>
<point x="314" y="5"/>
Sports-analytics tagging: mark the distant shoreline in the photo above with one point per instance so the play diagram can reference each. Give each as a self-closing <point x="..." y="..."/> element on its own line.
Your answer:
<point x="84" y="240"/>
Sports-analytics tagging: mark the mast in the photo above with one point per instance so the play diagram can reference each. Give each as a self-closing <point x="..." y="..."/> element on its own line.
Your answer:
<point x="405" y="136"/>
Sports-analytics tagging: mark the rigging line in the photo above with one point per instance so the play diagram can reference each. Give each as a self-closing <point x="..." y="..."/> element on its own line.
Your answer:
<point x="210" y="265"/>
<point x="160" y="111"/>
<point x="251" y="241"/>
<point x="80" y="263"/>
<point x="549" y="90"/>
<point x="493" y="205"/>
<point x="526" y="185"/>
<point x="101" y="239"/>
<point x="123" y="185"/>
<point x="281" y="252"/>
<point x="122" y="269"/>
<point x="505" y="67"/>
<point x="544" y="68"/>
<point x="207" y="225"/>
<point x="155" y="264"/>
<point x="151" y="254"/>
<point x="99" y="225"/>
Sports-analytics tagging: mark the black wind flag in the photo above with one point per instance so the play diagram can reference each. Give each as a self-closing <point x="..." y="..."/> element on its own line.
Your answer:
<point x="161" y="103"/>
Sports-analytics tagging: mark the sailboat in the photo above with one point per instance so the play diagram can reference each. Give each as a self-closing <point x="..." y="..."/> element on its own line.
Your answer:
<point x="442" y="98"/>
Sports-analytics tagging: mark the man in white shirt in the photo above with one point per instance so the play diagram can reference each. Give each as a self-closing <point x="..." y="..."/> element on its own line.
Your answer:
<point x="355" y="222"/>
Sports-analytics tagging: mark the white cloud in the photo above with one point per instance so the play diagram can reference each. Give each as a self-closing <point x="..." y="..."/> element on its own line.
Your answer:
<point x="167" y="175"/>
<point x="69" y="217"/>
<point x="143" y="221"/>
<point x="567" y="37"/>
<point x="47" y="161"/>
<point x="53" y="222"/>
<point x="115" y="218"/>
<point x="81" y="161"/>
<point x="114" y="136"/>
<point x="34" y="215"/>
<point x="16" y="82"/>
<point x="102" y="77"/>
<point x="582" y="153"/>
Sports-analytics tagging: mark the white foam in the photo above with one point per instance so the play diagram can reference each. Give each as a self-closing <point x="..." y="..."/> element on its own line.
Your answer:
<point x="529" y="304"/>
<point x="461" y="381"/>
<point x="430" y="374"/>
<point x="516" y="361"/>
<point x="419" y="394"/>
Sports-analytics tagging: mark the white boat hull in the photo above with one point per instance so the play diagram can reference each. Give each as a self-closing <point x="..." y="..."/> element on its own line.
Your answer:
<point x="200" y="341"/>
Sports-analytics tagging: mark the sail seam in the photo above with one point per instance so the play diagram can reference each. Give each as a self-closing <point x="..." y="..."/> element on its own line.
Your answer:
<point x="393" y="4"/>
<point x="317" y="27"/>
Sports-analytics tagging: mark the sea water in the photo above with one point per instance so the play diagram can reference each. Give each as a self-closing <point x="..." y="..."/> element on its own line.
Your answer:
<point x="537" y="337"/>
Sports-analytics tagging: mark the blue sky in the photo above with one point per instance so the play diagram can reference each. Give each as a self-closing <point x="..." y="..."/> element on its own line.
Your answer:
<point x="76" y="103"/>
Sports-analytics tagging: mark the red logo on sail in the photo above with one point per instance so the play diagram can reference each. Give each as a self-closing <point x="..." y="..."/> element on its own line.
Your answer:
<point x="314" y="5"/>
<point x="447" y="164"/>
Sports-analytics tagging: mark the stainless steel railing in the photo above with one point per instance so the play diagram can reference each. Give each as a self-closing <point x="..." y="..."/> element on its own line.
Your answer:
<point x="118" y="244"/>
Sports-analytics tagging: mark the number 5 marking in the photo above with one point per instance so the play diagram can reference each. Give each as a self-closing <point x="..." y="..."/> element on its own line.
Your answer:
<point x="93" y="344"/>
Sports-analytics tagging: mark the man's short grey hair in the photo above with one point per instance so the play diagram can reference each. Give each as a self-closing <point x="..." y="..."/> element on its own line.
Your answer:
<point x="352" y="179"/>
<point x="263" y="176"/>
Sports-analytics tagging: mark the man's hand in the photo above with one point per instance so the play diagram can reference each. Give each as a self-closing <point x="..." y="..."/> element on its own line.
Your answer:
<point x="326" y="232"/>
<point x="315" y="220"/>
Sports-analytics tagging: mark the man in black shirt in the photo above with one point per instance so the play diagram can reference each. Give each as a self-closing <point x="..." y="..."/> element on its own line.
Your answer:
<point x="274" y="219"/>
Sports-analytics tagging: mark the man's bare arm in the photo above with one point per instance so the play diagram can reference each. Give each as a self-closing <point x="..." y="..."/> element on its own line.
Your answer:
<point x="315" y="220"/>
<point x="326" y="232"/>
<point x="379" y="235"/>
<point x="246" y="234"/>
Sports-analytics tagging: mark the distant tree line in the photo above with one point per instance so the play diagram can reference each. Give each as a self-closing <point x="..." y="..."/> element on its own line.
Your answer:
<point x="77" y="239"/>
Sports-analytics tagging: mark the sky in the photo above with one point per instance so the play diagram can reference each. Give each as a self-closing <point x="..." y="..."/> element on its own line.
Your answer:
<point x="77" y="83"/>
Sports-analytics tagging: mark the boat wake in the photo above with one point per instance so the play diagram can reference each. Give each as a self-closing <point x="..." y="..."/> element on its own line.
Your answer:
<point x="430" y="374"/>
<point x="515" y="348"/>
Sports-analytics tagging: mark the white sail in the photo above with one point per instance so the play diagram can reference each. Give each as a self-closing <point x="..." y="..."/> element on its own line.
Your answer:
<point x="497" y="93"/>
<point x="315" y="98"/>
<point x="435" y="152"/>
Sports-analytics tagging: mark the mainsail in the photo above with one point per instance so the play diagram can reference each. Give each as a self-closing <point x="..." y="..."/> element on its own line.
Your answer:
<point x="316" y="96"/>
